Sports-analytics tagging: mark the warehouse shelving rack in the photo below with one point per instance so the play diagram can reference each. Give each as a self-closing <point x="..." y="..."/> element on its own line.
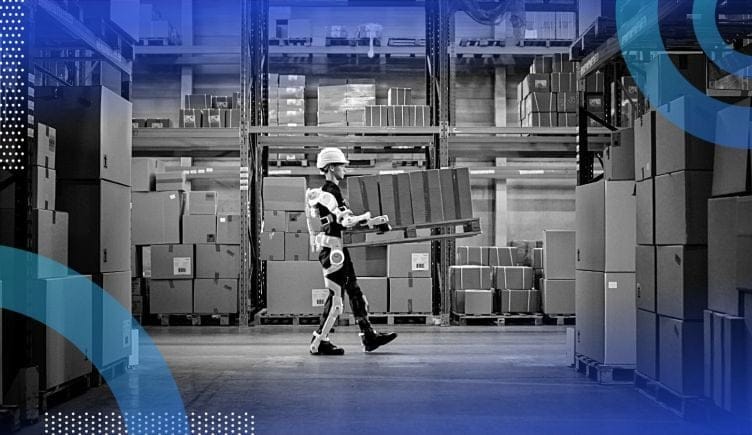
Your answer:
<point x="441" y="142"/>
<point x="598" y="50"/>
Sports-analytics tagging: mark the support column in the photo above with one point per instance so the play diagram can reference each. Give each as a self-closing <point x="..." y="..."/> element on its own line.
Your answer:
<point x="186" y="29"/>
<point x="501" y="227"/>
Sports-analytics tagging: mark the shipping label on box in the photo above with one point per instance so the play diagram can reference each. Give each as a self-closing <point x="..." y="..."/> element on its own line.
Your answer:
<point x="172" y="261"/>
<point x="319" y="297"/>
<point x="221" y="102"/>
<point x="536" y="83"/>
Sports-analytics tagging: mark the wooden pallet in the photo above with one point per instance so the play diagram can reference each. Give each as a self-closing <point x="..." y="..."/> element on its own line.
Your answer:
<point x="391" y="319"/>
<point x="288" y="319"/>
<point x="504" y="319"/>
<point x="402" y="42"/>
<point x="177" y="319"/>
<point x="559" y="319"/>
<point x="114" y="370"/>
<point x="289" y="42"/>
<point x="688" y="407"/>
<point x="63" y="392"/>
<point x="219" y="319"/>
<point x="409" y="234"/>
<point x="602" y="373"/>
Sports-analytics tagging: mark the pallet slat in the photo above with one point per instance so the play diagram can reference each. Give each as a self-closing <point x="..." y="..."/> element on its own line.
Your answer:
<point x="602" y="373"/>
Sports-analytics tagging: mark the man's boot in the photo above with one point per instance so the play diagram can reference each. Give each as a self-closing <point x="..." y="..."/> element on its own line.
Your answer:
<point x="372" y="340"/>
<point x="326" y="347"/>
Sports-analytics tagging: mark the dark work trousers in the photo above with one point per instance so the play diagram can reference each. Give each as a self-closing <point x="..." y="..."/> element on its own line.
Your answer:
<point x="346" y="279"/>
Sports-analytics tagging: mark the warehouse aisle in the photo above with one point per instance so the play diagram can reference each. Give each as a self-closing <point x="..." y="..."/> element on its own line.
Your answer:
<point x="431" y="380"/>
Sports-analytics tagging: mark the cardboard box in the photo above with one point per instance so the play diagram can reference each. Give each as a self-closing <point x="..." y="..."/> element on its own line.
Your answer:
<point x="681" y="208"/>
<point x="678" y="150"/>
<point x="102" y="150"/>
<point x="513" y="277"/>
<point x="542" y="119"/>
<point x="618" y="159"/>
<point x="645" y="277"/>
<point x="502" y="256"/>
<point x="644" y="134"/>
<point x="371" y="198"/>
<point x="595" y="82"/>
<point x="709" y="352"/>
<point x="158" y="123"/>
<point x="42" y="189"/>
<point x="559" y="254"/>
<point x="399" y="96"/>
<point x="376" y="116"/>
<point x="155" y="217"/>
<point x="410" y="295"/>
<point x="172" y="262"/>
<point x="232" y="118"/>
<point x="376" y="292"/>
<point x="692" y="68"/>
<point x="215" y="296"/>
<point x="111" y="326"/>
<point x="735" y="367"/>
<point x="731" y="166"/>
<point x="680" y="367"/>
<point x="568" y="120"/>
<point x="171" y="296"/>
<point x="472" y="256"/>
<point x="409" y="260"/>
<point x="169" y="181"/>
<point x="42" y="152"/>
<point x="99" y="236"/>
<point x="296" y="222"/>
<point x="537" y="258"/>
<point x="561" y="63"/>
<point x="645" y="204"/>
<point x="557" y="296"/>
<point x="605" y="226"/>
<point x="434" y="195"/>
<point x="273" y="246"/>
<point x="190" y="118"/>
<point x="682" y="289"/>
<point x="291" y="81"/>
<point x="296" y="247"/>
<point x="221" y="102"/>
<point x="567" y="102"/>
<point x="542" y="65"/>
<point x="541" y="102"/>
<point x="647" y="344"/>
<point x="519" y="301"/>
<point x="370" y="260"/>
<point x="723" y="295"/>
<point x="218" y="261"/>
<point x="199" y="229"/>
<point x="200" y="203"/>
<point x="275" y="221"/>
<point x="463" y="195"/>
<point x="536" y="83"/>
<point x="289" y="287"/>
<point x="563" y="82"/>
<point x="211" y="118"/>
<point x="228" y="229"/>
<point x="448" y="194"/>
<point x="388" y="197"/>
<point x="471" y="277"/>
<point x="197" y="101"/>
<point x="716" y="390"/>
<point x="477" y="302"/>
<point x="49" y="239"/>
<point x="144" y="173"/>
<point x="284" y="193"/>
<point x="404" y="199"/>
<point x="418" y="197"/>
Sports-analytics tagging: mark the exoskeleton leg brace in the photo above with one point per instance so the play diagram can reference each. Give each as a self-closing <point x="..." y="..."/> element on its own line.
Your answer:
<point x="337" y="307"/>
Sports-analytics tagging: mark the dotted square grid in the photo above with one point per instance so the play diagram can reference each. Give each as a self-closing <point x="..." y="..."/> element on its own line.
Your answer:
<point x="228" y="423"/>
<point x="13" y="93"/>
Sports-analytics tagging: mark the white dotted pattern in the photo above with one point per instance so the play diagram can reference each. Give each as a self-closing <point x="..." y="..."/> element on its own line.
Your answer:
<point x="148" y="423"/>
<point x="14" y="119"/>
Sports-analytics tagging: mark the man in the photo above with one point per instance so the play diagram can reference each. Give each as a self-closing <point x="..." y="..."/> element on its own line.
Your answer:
<point x="328" y="214"/>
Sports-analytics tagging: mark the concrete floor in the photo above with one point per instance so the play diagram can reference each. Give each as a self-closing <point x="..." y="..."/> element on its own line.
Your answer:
<point x="431" y="380"/>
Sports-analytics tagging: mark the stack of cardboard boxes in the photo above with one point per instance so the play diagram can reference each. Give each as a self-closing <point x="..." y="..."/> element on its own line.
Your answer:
<point x="675" y="179"/>
<point x="287" y="100"/>
<point x="399" y="111"/>
<point x="187" y="254"/>
<point x="59" y="360"/>
<point x="491" y="280"/>
<point x="343" y="103"/>
<point x="93" y="187"/>
<point x="728" y="379"/>
<point x="557" y="286"/>
<point x="605" y="263"/>
<point x="207" y="111"/>
<point x="548" y="95"/>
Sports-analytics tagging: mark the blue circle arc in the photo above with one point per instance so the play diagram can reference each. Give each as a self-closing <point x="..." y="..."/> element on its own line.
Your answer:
<point x="710" y="39"/>
<point x="662" y="82"/>
<point x="66" y="307"/>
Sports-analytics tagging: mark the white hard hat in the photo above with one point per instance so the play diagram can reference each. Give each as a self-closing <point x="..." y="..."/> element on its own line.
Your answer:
<point x="329" y="156"/>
